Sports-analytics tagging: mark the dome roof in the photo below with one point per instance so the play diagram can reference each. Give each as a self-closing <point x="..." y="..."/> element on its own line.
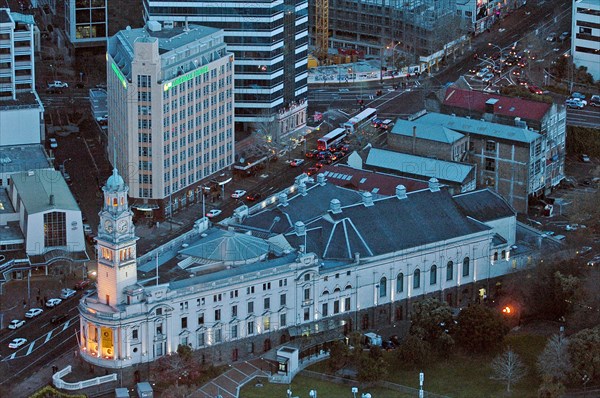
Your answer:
<point x="115" y="182"/>
<point x="230" y="247"/>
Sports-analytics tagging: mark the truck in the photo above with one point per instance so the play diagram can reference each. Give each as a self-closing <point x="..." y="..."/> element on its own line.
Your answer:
<point x="371" y="339"/>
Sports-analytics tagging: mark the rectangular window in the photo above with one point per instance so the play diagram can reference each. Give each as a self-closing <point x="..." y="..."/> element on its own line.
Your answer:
<point x="324" y="309"/>
<point x="336" y="307"/>
<point x="201" y="318"/>
<point x="200" y="339"/>
<point x="490" y="146"/>
<point x="347" y="304"/>
<point x="234" y="311"/>
<point x="234" y="331"/>
<point x="217" y="315"/>
<point x="267" y="303"/>
<point x="250" y="307"/>
<point x="282" y="300"/>
<point x="306" y="314"/>
<point x="184" y="322"/>
<point x="251" y="327"/>
<point x="55" y="229"/>
<point x="282" y="320"/>
<point x="307" y="294"/>
<point x="490" y="164"/>
<point x="134" y="334"/>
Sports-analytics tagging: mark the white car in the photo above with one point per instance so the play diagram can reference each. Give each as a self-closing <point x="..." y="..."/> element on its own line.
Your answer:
<point x="16" y="323"/>
<point x="87" y="230"/>
<point x="33" y="312"/>
<point x="18" y="342"/>
<point x="53" y="302"/>
<point x="585" y="158"/>
<point x="58" y="84"/>
<point x="67" y="293"/>
<point x="238" y="194"/>
<point x="296" y="162"/>
<point x="213" y="213"/>
<point x="575" y="103"/>
<point x="53" y="143"/>
<point x="483" y="72"/>
<point x="487" y="78"/>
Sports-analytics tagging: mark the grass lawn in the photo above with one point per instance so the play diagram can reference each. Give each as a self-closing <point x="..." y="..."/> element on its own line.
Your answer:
<point x="301" y="387"/>
<point x="467" y="376"/>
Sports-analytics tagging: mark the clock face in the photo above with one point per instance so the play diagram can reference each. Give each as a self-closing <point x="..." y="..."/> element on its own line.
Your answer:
<point x="108" y="226"/>
<point x="122" y="226"/>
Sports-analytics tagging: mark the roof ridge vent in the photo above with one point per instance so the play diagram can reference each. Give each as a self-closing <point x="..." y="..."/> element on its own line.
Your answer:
<point x="321" y="179"/>
<point x="335" y="206"/>
<point x="434" y="184"/>
<point x="302" y="188"/>
<point x="367" y="199"/>
<point x="283" y="199"/>
<point x="300" y="228"/>
<point x="401" y="191"/>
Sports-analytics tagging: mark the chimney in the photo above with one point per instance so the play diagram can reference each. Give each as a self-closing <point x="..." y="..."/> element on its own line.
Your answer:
<point x="321" y="179"/>
<point x="434" y="184"/>
<point x="186" y="27"/>
<point x="335" y="206"/>
<point x="367" y="199"/>
<point x="490" y="104"/>
<point x="283" y="199"/>
<point x="401" y="191"/>
<point x="356" y="257"/>
<point x="302" y="189"/>
<point x="414" y="141"/>
<point x="300" y="228"/>
<point x="51" y="200"/>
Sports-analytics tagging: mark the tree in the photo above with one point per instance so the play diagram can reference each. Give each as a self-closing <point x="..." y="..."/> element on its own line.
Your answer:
<point x="432" y="321"/>
<point x="584" y="353"/>
<point x="508" y="367"/>
<point x="338" y="356"/>
<point x="480" y="329"/>
<point x="554" y="362"/>
<point x="550" y="388"/>
<point x="371" y="367"/>
<point x="413" y="352"/>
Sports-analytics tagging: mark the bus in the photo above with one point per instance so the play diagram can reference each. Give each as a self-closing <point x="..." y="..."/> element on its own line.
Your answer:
<point x="332" y="138"/>
<point x="366" y="115"/>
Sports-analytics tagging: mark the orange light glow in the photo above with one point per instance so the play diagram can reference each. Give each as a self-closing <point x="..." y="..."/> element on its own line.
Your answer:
<point x="506" y="310"/>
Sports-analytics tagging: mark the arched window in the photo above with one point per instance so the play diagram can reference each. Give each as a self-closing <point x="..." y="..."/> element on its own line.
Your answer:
<point x="433" y="275"/>
<point x="450" y="270"/>
<point x="400" y="283"/>
<point x="383" y="286"/>
<point x="417" y="279"/>
<point x="503" y="256"/>
<point x="466" y="266"/>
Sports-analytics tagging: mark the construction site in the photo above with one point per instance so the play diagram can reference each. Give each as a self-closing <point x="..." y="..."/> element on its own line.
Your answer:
<point x="393" y="31"/>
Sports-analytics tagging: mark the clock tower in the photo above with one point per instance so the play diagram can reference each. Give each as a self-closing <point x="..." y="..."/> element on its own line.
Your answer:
<point x="116" y="243"/>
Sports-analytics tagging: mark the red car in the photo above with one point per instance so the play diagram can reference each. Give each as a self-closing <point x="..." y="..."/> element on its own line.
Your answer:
<point x="536" y="90"/>
<point x="312" y="171"/>
<point x="82" y="284"/>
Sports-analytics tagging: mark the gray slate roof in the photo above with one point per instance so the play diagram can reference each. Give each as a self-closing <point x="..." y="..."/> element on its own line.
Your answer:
<point x="228" y="246"/>
<point x="484" y="205"/>
<point x="418" y="165"/>
<point x="36" y="187"/>
<point x="426" y="131"/>
<point x="478" y="127"/>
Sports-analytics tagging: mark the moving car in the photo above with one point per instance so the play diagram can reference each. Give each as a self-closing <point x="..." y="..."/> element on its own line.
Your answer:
<point x="82" y="284"/>
<point x="53" y="302"/>
<point x="238" y="194"/>
<point x="16" y="343"/>
<point x="33" y="312"/>
<point x="575" y="103"/>
<point x="482" y="72"/>
<point x="296" y="162"/>
<point x="535" y="90"/>
<point x="551" y="37"/>
<point x="312" y="171"/>
<point x="594" y="261"/>
<point x="16" y="323"/>
<point x="584" y="250"/>
<point x="58" y="84"/>
<point x="585" y="158"/>
<point x="213" y="213"/>
<point x="253" y="196"/>
<point x="53" y="143"/>
<point x="67" y="293"/>
<point x="488" y="77"/>
<point x="564" y="36"/>
<point x="578" y="96"/>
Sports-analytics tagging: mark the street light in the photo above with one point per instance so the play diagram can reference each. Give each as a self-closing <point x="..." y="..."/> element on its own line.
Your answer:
<point x="354" y="391"/>
<point x="393" y="48"/>
<point x="313" y="393"/>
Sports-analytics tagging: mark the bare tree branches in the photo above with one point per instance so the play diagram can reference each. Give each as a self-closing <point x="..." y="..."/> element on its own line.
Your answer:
<point x="509" y="368"/>
<point x="554" y="360"/>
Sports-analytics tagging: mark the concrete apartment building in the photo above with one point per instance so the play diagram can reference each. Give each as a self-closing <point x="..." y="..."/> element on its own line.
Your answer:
<point x="170" y="107"/>
<point x="86" y="22"/>
<point x="549" y="120"/>
<point x="510" y="160"/>
<point x="585" y="38"/>
<point x="482" y="14"/>
<point x="270" y="41"/>
<point x="21" y="111"/>
<point x="314" y="260"/>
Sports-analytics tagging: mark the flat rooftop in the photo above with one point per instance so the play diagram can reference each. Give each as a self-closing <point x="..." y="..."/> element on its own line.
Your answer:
<point x="17" y="158"/>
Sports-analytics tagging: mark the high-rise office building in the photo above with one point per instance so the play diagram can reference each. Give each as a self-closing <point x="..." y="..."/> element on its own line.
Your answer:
<point x="86" y="22"/>
<point x="170" y="112"/>
<point x="270" y="41"/>
<point x="585" y="40"/>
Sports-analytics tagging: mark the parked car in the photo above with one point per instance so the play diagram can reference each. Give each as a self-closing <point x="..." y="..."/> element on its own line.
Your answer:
<point x="16" y="323"/>
<point x="584" y="250"/>
<point x="575" y="103"/>
<point x="239" y="193"/>
<point x="82" y="284"/>
<point x="594" y="261"/>
<point x="53" y="143"/>
<point x="578" y="95"/>
<point x="551" y="37"/>
<point x="32" y="313"/>
<point x="585" y="158"/>
<point x="535" y="90"/>
<point x="296" y="162"/>
<point x="53" y="302"/>
<point x="213" y="213"/>
<point x="58" y="84"/>
<point x="87" y="229"/>
<point x="482" y="72"/>
<point x="58" y="318"/>
<point x="253" y="196"/>
<point x="595" y="100"/>
<point x="67" y="293"/>
<point x="16" y="343"/>
<point x="564" y="36"/>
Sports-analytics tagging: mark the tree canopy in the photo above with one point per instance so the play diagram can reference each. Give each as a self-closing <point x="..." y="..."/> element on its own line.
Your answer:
<point x="480" y="329"/>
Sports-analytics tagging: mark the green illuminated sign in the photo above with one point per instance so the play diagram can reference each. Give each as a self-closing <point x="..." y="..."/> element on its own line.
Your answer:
<point x="183" y="79"/>
<point x="115" y="69"/>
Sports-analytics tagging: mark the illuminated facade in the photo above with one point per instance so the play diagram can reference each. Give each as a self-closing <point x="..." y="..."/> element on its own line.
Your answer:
<point x="170" y="112"/>
<point x="238" y="292"/>
<point x="86" y="22"/>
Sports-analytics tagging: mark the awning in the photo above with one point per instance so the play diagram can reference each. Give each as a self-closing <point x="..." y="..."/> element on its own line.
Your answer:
<point x="145" y="206"/>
